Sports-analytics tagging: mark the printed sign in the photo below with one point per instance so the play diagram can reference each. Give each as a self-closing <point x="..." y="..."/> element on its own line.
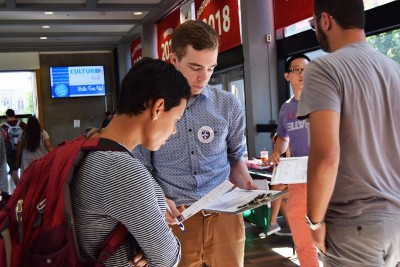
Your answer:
<point x="77" y="81"/>
<point x="136" y="50"/>
<point x="165" y="28"/>
<point x="223" y="16"/>
<point x="289" y="12"/>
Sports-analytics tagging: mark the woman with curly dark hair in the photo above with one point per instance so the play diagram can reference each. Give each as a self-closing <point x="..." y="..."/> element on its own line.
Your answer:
<point x="33" y="143"/>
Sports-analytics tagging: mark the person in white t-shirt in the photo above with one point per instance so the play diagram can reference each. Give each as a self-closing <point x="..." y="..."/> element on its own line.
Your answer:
<point x="33" y="143"/>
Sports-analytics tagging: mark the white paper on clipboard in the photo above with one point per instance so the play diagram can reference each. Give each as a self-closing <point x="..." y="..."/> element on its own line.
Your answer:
<point x="228" y="199"/>
<point x="290" y="171"/>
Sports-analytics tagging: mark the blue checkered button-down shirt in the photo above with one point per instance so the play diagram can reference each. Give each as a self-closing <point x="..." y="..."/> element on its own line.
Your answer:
<point x="210" y="137"/>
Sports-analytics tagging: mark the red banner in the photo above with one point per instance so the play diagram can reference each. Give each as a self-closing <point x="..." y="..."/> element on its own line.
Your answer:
<point x="164" y="32"/>
<point x="136" y="50"/>
<point x="292" y="11"/>
<point x="223" y="16"/>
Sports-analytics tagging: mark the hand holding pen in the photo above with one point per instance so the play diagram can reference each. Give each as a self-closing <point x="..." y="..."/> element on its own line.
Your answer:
<point x="181" y="226"/>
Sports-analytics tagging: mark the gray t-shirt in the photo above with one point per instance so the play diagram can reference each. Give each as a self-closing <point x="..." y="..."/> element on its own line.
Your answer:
<point x="363" y="86"/>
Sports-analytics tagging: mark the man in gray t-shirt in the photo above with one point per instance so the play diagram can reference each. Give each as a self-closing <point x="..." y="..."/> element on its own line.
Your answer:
<point x="351" y="98"/>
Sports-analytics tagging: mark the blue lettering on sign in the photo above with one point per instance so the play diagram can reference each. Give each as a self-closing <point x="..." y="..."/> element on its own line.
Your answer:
<point x="83" y="71"/>
<point x="93" y="71"/>
<point x="77" y="71"/>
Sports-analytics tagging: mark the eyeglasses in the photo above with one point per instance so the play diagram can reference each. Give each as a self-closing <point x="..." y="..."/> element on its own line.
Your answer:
<point x="312" y="21"/>
<point x="312" y="24"/>
<point x="297" y="70"/>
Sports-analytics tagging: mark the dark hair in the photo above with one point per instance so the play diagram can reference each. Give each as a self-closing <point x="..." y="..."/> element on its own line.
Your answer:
<point x="196" y="33"/>
<point x="149" y="80"/>
<point x="108" y="113"/>
<point x="348" y="14"/>
<point x="290" y="60"/>
<point x="10" y="113"/>
<point x="32" y="134"/>
<point x="273" y="133"/>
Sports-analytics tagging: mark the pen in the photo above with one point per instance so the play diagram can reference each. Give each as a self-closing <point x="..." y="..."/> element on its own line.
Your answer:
<point x="181" y="226"/>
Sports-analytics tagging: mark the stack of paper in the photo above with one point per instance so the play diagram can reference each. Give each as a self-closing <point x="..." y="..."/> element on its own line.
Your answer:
<point x="290" y="171"/>
<point x="226" y="198"/>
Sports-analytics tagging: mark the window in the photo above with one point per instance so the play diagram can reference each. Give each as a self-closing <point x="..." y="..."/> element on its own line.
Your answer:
<point x="20" y="104"/>
<point x="388" y="43"/>
<point x="303" y="25"/>
<point x="18" y="92"/>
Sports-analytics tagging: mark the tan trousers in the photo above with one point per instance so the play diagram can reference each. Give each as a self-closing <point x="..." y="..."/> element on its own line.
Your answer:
<point x="216" y="240"/>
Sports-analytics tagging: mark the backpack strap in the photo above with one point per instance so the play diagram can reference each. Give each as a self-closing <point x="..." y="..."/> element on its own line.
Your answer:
<point x="111" y="244"/>
<point x="103" y="144"/>
<point x="119" y="234"/>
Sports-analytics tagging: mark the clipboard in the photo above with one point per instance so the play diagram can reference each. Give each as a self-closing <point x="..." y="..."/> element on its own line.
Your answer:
<point x="290" y="171"/>
<point x="240" y="200"/>
<point x="227" y="198"/>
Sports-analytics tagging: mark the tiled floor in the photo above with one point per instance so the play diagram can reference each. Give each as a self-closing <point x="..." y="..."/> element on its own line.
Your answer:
<point x="272" y="251"/>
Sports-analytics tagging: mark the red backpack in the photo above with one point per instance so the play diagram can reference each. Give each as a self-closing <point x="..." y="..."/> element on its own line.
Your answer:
<point x="36" y="225"/>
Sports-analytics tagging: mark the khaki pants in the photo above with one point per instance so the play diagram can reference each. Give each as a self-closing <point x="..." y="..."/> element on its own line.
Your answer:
<point x="369" y="240"/>
<point x="216" y="240"/>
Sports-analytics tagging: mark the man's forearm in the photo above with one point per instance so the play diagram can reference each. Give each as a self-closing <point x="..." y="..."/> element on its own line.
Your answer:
<point x="323" y="162"/>
<point x="240" y="175"/>
<point x="321" y="179"/>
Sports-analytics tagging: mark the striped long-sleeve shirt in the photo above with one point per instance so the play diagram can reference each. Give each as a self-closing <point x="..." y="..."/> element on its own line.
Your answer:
<point x="114" y="186"/>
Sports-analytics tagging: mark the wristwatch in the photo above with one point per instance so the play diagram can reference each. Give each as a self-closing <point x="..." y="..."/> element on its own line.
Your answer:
<point x="314" y="226"/>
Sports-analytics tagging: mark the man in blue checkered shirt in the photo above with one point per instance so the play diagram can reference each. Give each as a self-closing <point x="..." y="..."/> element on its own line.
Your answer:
<point x="206" y="150"/>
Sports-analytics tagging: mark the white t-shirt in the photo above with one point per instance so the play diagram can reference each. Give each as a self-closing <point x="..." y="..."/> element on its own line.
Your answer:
<point x="28" y="156"/>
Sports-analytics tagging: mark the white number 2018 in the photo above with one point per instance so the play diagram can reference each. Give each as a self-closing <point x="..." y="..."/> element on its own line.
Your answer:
<point x="216" y="19"/>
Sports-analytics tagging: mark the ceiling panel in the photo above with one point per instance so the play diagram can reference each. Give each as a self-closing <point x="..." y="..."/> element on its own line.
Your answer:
<point x="107" y="39"/>
<point x="39" y="15"/>
<point x="50" y="1"/>
<point x="61" y="29"/>
<point x="129" y="1"/>
<point x="75" y="24"/>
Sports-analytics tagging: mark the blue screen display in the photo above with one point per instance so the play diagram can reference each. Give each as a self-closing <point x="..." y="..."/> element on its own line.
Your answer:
<point x="77" y="81"/>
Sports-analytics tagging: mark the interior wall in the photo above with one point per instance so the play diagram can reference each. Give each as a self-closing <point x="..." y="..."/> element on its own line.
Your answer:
<point x="19" y="61"/>
<point x="123" y="60"/>
<point x="59" y="114"/>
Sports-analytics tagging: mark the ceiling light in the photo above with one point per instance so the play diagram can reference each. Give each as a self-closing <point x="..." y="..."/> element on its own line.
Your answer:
<point x="43" y="38"/>
<point x="137" y="13"/>
<point x="45" y="27"/>
<point x="48" y="13"/>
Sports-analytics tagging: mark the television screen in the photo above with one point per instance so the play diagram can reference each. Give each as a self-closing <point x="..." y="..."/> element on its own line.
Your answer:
<point x="77" y="81"/>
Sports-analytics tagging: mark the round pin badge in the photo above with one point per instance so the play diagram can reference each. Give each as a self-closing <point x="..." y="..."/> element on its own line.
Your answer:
<point x="205" y="134"/>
